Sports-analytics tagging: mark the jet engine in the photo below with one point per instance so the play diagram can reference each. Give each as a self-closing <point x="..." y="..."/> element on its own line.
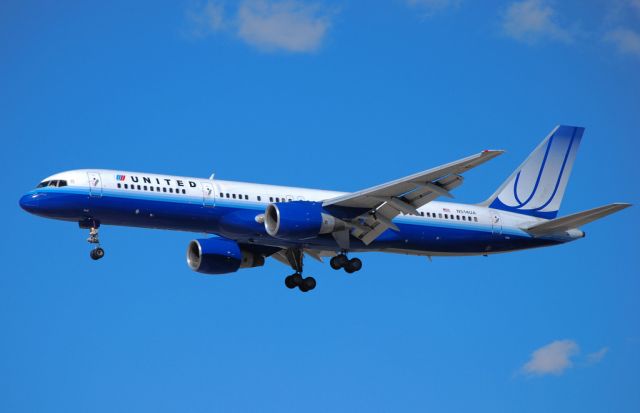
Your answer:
<point x="220" y="256"/>
<point x="299" y="220"/>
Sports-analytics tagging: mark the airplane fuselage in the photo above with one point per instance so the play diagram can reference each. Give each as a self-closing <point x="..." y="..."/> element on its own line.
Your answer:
<point x="234" y="210"/>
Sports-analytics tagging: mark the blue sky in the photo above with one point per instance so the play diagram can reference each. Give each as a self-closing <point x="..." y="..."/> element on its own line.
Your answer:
<point x="329" y="94"/>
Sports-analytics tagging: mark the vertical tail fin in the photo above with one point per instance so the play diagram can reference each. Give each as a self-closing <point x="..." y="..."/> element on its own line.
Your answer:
<point x="536" y="188"/>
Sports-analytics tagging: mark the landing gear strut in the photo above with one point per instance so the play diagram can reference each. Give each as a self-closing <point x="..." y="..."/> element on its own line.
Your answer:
<point x="349" y="265"/>
<point x="304" y="284"/>
<point x="97" y="252"/>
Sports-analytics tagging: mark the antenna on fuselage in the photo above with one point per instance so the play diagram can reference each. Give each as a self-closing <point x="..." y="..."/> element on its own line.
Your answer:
<point x="213" y="175"/>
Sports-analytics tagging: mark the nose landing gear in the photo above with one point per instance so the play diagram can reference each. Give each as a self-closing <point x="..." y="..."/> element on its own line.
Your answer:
<point x="97" y="252"/>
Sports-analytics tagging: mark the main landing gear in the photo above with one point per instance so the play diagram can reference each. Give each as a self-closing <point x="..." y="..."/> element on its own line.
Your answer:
<point x="97" y="252"/>
<point x="304" y="284"/>
<point x="341" y="261"/>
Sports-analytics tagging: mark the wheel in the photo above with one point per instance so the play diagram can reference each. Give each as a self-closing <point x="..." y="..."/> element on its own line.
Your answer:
<point x="310" y="283"/>
<point x="291" y="281"/>
<point x="338" y="261"/>
<point x="307" y="284"/>
<point x="97" y="253"/>
<point x="355" y="264"/>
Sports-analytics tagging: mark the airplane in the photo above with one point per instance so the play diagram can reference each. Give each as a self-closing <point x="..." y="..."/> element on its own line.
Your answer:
<point x="249" y="222"/>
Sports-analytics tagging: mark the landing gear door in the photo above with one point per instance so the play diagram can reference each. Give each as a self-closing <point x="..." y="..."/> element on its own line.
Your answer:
<point x="95" y="184"/>
<point x="496" y="223"/>
<point x="208" y="194"/>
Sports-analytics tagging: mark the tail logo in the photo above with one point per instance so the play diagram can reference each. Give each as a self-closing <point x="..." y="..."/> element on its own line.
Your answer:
<point x="538" y="185"/>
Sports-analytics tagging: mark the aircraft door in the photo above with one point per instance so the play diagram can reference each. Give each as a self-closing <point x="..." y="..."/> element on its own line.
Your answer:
<point x="95" y="184"/>
<point x="208" y="194"/>
<point x="496" y="223"/>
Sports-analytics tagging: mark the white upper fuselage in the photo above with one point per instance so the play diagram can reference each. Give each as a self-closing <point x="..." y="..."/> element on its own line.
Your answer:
<point x="253" y="196"/>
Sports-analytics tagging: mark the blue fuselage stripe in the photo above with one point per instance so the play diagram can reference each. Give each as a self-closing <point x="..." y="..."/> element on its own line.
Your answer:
<point x="236" y="219"/>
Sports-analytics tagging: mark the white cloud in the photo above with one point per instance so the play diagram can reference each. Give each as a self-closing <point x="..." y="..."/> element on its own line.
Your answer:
<point x="532" y="20"/>
<point x="554" y="358"/>
<point x="627" y="41"/>
<point x="430" y="7"/>
<point x="208" y="19"/>
<point x="597" y="356"/>
<point x="288" y="25"/>
<point x="269" y="25"/>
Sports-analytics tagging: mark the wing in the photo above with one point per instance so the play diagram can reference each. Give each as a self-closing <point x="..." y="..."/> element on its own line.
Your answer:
<point x="371" y="210"/>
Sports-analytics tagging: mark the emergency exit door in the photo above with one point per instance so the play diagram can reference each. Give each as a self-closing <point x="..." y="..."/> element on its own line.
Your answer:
<point x="208" y="195"/>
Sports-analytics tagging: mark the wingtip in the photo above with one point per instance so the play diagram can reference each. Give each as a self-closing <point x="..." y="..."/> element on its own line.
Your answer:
<point x="494" y="152"/>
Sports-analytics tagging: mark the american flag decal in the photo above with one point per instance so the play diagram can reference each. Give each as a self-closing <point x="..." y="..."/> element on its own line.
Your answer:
<point x="446" y="209"/>
<point x="120" y="177"/>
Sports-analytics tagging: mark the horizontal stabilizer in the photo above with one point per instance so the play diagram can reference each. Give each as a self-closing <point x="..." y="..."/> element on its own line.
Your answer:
<point x="574" y="220"/>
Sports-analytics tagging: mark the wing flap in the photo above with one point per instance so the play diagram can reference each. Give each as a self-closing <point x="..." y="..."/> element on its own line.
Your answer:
<point x="375" y="222"/>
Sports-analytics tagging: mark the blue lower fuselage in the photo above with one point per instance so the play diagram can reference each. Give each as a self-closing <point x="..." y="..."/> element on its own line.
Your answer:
<point x="237" y="220"/>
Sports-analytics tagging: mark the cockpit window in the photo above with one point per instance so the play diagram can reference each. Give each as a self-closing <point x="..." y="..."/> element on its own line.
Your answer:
<point x="55" y="182"/>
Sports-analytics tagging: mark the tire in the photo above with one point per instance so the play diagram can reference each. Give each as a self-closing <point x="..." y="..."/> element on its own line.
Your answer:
<point x="290" y="282"/>
<point x="96" y="253"/>
<point x="339" y="261"/>
<point x="355" y="264"/>
<point x="310" y="283"/>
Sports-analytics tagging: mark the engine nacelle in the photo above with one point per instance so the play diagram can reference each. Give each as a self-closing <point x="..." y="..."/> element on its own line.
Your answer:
<point x="220" y="256"/>
<point x="299" y="220"/>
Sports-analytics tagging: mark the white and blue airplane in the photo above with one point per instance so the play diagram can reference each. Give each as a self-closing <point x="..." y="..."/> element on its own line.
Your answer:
<point x="250" y="222"/>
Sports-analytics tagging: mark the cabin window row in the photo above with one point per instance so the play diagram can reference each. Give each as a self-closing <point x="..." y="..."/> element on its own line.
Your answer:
<point x="152" y="188"/>
<point x="234" y="196"/>
<point x="259" y="197"/>
<point x="449" y="216"/>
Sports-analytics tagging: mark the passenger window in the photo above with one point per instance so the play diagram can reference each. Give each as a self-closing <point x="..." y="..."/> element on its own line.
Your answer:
<point x="464" y="218"/>
<point x="246" y="197"/>
<point x="446" y="216"/>
<point x="439" y="215"/>
<point x="170" y="190"/>
<point x="145" y="187"/>
<point x="475" y="219"/>
<point x="164" y="189"/>
<point x="270" y="199"/>
<point x="139" y="187"/>
<point x="277" y="199"/>
<point x="150" y="188"/>
<point x="119" y="186"/>
<point x="458" y="217"/>
<point x="184" y="191"/>
<point x="126" y="186"/>
<point x="233" y="196"/>
<point x="259" y="198"/>
<point x="157" y="189"/>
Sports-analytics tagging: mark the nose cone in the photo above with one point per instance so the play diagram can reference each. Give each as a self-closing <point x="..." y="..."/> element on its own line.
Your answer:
<point x="29" y="202"/>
